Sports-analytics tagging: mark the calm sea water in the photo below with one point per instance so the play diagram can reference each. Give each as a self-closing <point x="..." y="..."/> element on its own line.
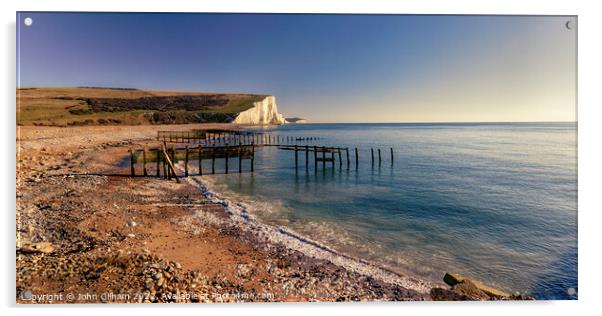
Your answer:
<point x="496" y="202"/>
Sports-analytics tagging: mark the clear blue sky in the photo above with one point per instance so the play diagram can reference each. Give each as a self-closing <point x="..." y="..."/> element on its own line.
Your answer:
<point x="327" y="68"/>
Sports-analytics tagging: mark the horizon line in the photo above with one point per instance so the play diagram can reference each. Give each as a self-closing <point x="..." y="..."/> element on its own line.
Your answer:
<point x="438" y="122"/>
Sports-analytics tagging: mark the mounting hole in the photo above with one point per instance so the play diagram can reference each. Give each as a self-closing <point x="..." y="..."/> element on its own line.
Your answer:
<point x="571" y="291"/>
<point x="28" y="21"/>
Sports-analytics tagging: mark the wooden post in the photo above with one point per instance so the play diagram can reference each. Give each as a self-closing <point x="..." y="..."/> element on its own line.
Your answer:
<point x="172" y="161"/>
<point x="315" y="159"/>
<point x="226" y="158"/>
<point x="391" y="155"/>
<point x="213" y="160"/>
<point x="306" y="158"/>
<point x="171" y="166"/>
<point x="252" y="156"/>
<point x="372" y="152"/>
<point x="165" y="172"/>
<point x="332" y="159"/>
<point x="323" y="158"/>
<point x="200" y="160"/>
<point x="158" y="163"/>
<point x="347" y="153"/>
<point x="379" y="156"/>
<point x="166" y="159"/>
<point x="340" y="160"/>
<point x="356" y="158"/>
<point x="144" y="161"/>
<point x="239" y="158"/>
<point x="186" y="162"/>
<point x="133" y="171"/>
<point x="296" y="159"/>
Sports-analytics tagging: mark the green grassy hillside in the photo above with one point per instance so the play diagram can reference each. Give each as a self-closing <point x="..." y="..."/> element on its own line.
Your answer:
<point x="114" y="106"/>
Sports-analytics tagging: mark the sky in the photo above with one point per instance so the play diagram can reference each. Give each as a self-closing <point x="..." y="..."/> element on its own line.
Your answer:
<point x="325" y="68"/>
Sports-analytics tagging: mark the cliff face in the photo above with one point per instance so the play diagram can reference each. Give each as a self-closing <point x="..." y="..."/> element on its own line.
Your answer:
<point x="119" y="106"/>
<point x="262" y="113"/>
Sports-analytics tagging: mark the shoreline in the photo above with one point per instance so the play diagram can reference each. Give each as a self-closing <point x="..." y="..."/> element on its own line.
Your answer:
<point x="83" y="226"/>
<point x="284" y="235"/>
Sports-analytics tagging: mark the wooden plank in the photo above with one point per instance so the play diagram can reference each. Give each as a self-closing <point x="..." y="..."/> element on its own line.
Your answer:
<point x="170" y="165"/>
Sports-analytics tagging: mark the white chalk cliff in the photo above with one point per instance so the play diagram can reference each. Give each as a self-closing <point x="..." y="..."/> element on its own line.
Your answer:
<point x="262" y="113"/>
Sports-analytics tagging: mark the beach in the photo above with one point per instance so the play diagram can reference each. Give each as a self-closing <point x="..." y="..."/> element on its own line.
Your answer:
<point x="184" y="158"/>
<point x="88" y="231"/>
<point x="492" y="201"/>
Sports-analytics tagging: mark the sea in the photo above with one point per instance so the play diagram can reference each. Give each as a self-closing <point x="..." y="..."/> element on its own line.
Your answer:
<point x="496" y="202"/>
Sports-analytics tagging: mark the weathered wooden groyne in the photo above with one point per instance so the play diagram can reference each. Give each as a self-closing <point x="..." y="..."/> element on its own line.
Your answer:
<point x="221" y="136"/>
<point x="216" y="145"/>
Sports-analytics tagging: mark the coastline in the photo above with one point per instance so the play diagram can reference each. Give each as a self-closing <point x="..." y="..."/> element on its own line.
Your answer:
<point x="243" y="219"/>
<point x="101" y="228"/>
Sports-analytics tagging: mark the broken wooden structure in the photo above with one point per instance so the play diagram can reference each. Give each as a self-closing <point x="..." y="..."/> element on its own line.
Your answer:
<point x="223" y="144"/>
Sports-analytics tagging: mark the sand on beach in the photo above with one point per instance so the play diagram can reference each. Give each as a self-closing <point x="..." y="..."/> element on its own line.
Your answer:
<point x="85" y="227"/>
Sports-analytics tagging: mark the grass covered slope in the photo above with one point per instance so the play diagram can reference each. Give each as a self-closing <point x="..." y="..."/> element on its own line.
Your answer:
<point x="116" y="106"/>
